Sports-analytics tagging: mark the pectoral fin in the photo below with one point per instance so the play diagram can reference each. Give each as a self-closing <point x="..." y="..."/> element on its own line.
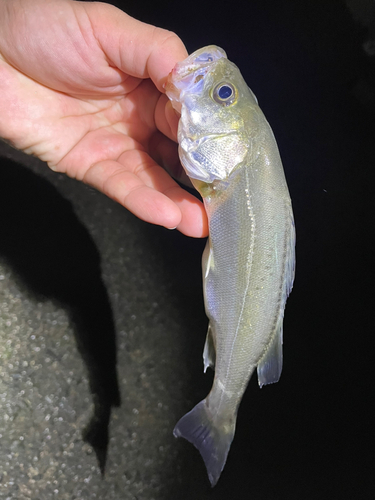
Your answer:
<point x="209" y="353"/>
<point x="207" y="261"/>
<point x="270" y="366"/>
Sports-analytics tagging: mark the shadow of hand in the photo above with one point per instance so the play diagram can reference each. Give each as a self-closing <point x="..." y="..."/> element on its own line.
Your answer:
<point x="53" y="254"/>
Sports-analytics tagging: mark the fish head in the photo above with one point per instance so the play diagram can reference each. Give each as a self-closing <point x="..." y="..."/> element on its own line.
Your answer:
<point x="218" y="114"/>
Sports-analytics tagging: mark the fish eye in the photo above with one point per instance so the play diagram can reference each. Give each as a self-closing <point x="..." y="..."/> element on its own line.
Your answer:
<point x="225" y="94"/>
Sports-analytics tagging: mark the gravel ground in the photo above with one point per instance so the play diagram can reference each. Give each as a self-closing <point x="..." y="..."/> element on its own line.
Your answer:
<point x="45" y="395"/>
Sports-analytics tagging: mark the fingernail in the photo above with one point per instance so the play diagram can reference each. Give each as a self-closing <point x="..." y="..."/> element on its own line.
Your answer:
<point x="171" y="228"/>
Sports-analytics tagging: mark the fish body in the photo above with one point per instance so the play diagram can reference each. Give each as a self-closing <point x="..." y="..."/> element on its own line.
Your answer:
<point x="228" y="150"/>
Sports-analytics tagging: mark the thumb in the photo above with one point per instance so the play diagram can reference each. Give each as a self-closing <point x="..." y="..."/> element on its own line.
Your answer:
<point x="136" y="48"/>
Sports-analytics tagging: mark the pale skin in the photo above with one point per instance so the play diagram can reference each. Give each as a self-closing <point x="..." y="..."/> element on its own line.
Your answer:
<point x="81" y="87"/>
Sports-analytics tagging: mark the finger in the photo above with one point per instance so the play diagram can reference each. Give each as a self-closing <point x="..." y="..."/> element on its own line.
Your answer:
<point x="173" y="118"/>
<point x="148" y="192"/>
<point x="165" y="153"/>
<point x="194" y="219"/>
<point x="193" y="215"/>
<point x="137" y="48"/>
<point x="111" y="178"/>
<point x="166" y="118"/>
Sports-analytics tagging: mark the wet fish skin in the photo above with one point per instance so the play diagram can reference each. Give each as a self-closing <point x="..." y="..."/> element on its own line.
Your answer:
<point x="231" y="157"/>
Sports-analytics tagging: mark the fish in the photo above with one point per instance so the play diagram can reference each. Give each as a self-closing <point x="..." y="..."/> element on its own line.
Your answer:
<point x="229" y="152"/>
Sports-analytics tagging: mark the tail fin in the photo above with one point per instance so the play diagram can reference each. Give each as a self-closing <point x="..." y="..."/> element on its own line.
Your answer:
<point x="212" y="441"/>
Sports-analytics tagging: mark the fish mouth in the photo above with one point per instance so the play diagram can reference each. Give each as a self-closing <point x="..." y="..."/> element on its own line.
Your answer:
<point x="190" y="73"/>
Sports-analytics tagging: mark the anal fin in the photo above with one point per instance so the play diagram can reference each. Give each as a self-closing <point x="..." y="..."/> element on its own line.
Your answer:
<point x="270" y="367"/>
<point x="209" y="352"/>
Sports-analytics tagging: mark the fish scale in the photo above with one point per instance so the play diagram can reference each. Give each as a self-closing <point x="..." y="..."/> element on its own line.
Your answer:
<point x="228" y="150"/>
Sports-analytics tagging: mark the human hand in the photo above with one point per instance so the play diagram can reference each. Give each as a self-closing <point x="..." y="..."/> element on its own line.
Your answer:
<point x="81" y="87"/>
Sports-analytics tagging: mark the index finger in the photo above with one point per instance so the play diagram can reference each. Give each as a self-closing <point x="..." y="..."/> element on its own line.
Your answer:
<point x="138" y="49"/>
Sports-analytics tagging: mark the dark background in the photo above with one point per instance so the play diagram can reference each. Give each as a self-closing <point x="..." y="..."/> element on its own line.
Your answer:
<point x="311" y="435"/>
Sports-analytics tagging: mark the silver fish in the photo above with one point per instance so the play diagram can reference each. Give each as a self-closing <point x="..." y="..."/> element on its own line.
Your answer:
<point x="228" y="150"/>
